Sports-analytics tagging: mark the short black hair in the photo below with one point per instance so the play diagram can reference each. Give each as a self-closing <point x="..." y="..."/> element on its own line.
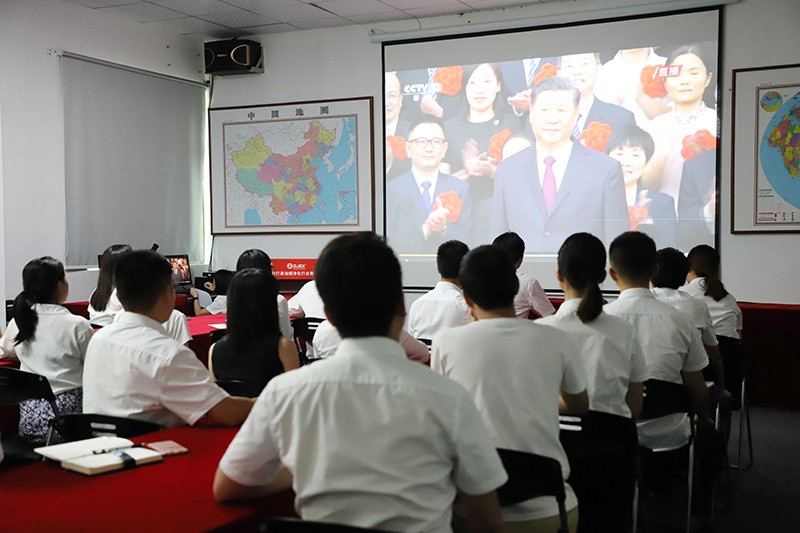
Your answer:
<point x="489" y="278"/>
<point x="254" y="258"/>
<point x="448" y="258"/>
<point x="141" y="277"/>
<point x="512" y="243"/>
<point x="360" y="282"/>
<point x="222" y="280"/>
<point x="633" y="256"/>
<point x="425" y="120"/>
<point x="556" y="83"/>
<point x="673" y="267"/>
<point x="631" y="135"/>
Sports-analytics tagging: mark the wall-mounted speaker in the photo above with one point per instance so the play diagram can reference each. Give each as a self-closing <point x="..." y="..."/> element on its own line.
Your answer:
<point x="234" y="56"/>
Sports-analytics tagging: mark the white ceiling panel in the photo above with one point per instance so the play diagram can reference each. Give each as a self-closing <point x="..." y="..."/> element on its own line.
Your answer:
<point x="143" y="12"/>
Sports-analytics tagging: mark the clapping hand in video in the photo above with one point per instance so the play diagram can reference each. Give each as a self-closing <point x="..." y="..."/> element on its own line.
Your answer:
<point x="477" y="163"/>
<point x="521" y="102"/>
<point x="436" y="221"/>
<point x="430" y="106"/>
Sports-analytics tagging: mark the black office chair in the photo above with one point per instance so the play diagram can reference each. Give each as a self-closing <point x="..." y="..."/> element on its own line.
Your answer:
<point x="663" y="468"/>
<point x="236" y="387"/>
<point x="426" y="342"/>
<point x="530" y="476"/>
<point x="262" y="524"/>
<point x="303" y="332"/>
<point x="86" y="426"/>
<point x="602" y="450"/>
<point x="733" y="362"/>
<point x="17" y="386"/>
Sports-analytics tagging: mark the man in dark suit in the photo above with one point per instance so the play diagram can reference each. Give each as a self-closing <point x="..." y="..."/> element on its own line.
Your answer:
<point x="558" y="187"/>
<point x="697" y="200"/>
<point x="582" y="70"/>
<point x="418" y="219"/>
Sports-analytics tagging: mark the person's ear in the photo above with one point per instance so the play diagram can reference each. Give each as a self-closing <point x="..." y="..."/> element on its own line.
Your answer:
<point x="559" y="277"/>
<point x="469" y="301"/>
<point x="613" y="274"/>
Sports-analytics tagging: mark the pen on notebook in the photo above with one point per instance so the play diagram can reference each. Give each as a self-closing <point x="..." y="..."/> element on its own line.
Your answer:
<point x="110" y="450"/>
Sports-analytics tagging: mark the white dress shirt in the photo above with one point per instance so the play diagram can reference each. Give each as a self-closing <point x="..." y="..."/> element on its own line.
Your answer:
<point x="611" y="353"/>
<point x="135" y="369"/>
<point x="307" y="302"/>
<point x="696" y="309"/>
<point x="284" y="320"/>
<point x="726" y="316"/>
<point x="57" y="349"/>
<point x="327" y="340"/>
<point x="438" y="310"/>
<point x="219" y="306"/>
<point x="177" y="327"/>
<point x="671" y="345"/>
<point x="515" y="371"/>
<point x="531" y="297"/>
<point x="106" y="316"/>
<point x="372" y="440"/>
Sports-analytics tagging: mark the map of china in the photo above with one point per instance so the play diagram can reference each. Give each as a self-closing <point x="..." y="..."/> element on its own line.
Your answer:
<point x="290" y="180"/>
<point x="786" y="137"/>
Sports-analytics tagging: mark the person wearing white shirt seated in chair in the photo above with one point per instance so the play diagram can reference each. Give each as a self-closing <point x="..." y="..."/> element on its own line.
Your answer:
<point x="327" y="340"/>
<point x="307" y="302"/>
<point x="134" y="369"/>
<point x="366" y="438"/>
<point x="531" y="300"/>
<point x="519" y="373"/>
<point x="443" y="307"/>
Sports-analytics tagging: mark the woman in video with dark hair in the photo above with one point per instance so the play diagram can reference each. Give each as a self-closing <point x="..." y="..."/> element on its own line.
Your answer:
<point x="615" y="369"/>
<point x="48" y="340"/>
<point x="253" y="349"/>
<point x="690" y="128"/>
<point x="474" y="140"/>
<point x="103" y="303"/>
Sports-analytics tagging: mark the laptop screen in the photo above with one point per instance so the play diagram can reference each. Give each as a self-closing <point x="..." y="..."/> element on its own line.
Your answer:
<point x="181" y="271"/>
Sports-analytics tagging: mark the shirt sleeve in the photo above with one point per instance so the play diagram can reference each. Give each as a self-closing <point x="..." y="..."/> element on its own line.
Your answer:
<point x="639" y="373"/>
<point x="7" y="342"/>
<point x="283" y="317"/>
<point x="696" y="358"/>
<point x="539" y="300"/>
<point x="83" y="334"/>
<point x="218" y="306"/>
<point x="478" y="469"/>
<point x="186" y="388"/>
<point x="252" y="458"/>
<point x="415" y="350"/>
<point x="296" y="304"/>
<point x="574" y="379"/>
<point x="178" y="328"/>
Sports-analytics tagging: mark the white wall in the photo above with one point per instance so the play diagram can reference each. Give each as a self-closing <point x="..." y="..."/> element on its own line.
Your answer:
<point x="31" y="34"/>
<point x="342" y="62"/>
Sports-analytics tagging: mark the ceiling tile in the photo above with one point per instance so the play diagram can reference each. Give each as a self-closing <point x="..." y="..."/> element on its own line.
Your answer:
<point x="269" y="28"/>
<point x="195" y="7"/>
<point x="187" y="25"/>
<point x="257" y="5"/>
<point x="295" y="13"/>
<point x="239" y="19"/>
<point x="439" y="9"/>
<point x="379" y="17"/>
<point x="102" y="3"/>
<point x="345" y="8"/>
<point x="142" y="12"/>
<point x="322" y="23"/>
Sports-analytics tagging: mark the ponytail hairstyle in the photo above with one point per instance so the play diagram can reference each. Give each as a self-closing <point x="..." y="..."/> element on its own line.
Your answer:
<point x="40" y="279"/>
<point x="582" y="262"/>
<point x="105" y="281"/>
<point x="704" y="262"/>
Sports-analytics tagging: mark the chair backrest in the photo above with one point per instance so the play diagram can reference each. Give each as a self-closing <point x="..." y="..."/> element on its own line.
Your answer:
<point x="86" y="426"/>
<point x="598" y="435"/>
<point x="529" y="476"/>
<point x="270" y="524"/>
<point x="426" y="342"/>
<point x="238" y="387"/>
<point x="662" y="398"/>
<point x="305" y="327"/>
<point x="18" y="386"/>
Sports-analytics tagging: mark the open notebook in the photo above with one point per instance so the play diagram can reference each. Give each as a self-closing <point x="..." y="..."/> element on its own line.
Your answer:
<point x="99" y="455"/>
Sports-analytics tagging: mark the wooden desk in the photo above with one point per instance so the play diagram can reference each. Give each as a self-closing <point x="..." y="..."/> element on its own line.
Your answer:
<point x="174" y="495"/>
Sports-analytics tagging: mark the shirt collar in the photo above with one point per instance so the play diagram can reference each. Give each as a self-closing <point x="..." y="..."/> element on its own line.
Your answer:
<point x="664" y="291"/>
<point x="420" y="179"/>
<point x="371" y="347"/>
<point x="447" y="285"/>
<point x="129" y="318"/>
<point x="561" y="155"/>
<point x="636" y="292"/>
<point x="50" y="309"/>
<point x="568" y="306"/>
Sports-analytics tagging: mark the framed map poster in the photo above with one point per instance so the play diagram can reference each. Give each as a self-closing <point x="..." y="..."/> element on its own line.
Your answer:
<point x="765" y="150"/>
<point x="295" y="167"/>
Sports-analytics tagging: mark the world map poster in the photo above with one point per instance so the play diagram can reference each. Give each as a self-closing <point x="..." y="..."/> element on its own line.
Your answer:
<point x="302" y="167"/>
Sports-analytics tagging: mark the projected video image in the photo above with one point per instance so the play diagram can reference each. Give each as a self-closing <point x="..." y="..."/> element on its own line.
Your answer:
<point x="602" y="141"/>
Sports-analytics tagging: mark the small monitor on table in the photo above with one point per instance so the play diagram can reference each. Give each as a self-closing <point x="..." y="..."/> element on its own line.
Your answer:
<point x="181" y="271"/>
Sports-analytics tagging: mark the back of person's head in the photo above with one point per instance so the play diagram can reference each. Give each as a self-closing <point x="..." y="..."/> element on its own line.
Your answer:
<point x="222" y="280"/>
<point x="254" y="258"/>
<point x="105" y="280"/>
<point x="141" y="277"/>
<point x="360" y="282"/>
<point x="633" y="256"/>
<point x="704" y="261"/>
<point x="489" y="278"/>
<point x="252" y="312"/>
<point x="511" y="243"/>
<point x="633" y="136"/>
<point x="40" y="279"/>
<point x="448" y="258"/>
<point x="672" y="268"/>
<point x="582" y="262"/>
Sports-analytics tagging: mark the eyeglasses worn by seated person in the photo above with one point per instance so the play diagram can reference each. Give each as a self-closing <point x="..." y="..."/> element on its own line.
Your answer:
<point x="422" y="143"/>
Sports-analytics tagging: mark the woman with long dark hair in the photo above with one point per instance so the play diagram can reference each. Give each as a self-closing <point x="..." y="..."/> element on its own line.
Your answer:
<point x="48" y="340"/>
<point x="256" y="258"/>
<point x="103" y="303"/>
<point x="253" y="349"/>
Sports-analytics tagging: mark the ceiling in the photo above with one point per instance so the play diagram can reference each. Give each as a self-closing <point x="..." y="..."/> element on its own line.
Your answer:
<point x="223" y="19"/>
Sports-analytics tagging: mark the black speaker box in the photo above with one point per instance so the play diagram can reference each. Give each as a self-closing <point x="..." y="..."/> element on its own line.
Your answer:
<point x="235" y="56"/>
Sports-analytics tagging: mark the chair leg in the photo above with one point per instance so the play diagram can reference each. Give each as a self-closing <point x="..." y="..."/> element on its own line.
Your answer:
<point x="744" y="424"/>
<point x="690" y="486"/>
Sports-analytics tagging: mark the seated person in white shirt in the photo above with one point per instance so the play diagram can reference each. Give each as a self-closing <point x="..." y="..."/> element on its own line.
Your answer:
<point x="443" y="307"/>
<point x="327" y="340"/>
<point x="673" y="267"/>
<point x="255" y="258"/>
<point x="307" y="302"/>
<point x="366" y="438"/>
<point x="219" y="285"/>
<point x="134" y="369"/>
<point x="531" y="300"/>
<point x="671" y="343"/>
<point x="519" y="373"/>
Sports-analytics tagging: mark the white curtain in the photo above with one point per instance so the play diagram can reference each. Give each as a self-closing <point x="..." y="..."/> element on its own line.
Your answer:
<point x="134" y="160"/>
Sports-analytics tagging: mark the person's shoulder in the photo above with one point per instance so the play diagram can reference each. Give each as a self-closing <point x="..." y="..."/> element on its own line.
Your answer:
<point x="452" y="182"/>
<point x="521" y="158"/>
<point x="610" y="108"/>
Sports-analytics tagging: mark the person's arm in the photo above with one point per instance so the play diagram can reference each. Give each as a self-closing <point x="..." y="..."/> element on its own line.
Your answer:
<point x="284" y="321"/>
<point x="415" y="350"/>
<point x="715" y="360"/>
<point x="198" y="311"/>
<point x="699" y="392"/>
<point x="228" y="490"/>
<point x="287" y="352"/>
<point x="477" y="514"/>
<point x="573" y="404"/>
<point x="634" y="398"/>
<point x="231" y="411"/>
<point x="211" y="361"/>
